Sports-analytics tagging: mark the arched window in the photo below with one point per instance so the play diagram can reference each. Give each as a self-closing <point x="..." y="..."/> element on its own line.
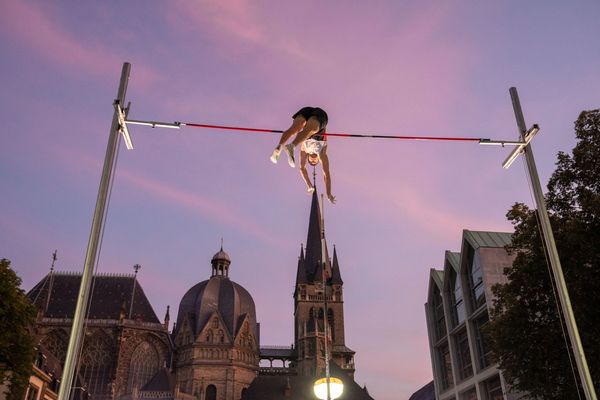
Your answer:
<point x="331" y="322"/>
<point x="96" y="365"/>
<point x="56" y="343"/>
<point x="211" y="392"/>
<point x="143" y="366"/>
<point x="221" y="337"/>
<point x="209" y="336"/>
<point x="215" y="322"/>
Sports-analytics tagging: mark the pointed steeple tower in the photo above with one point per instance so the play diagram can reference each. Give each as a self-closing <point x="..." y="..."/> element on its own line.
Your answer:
<point x="301" y="272"/>
<point x="336" y="276"/>
<point x="313" y="240"/>
<point x="309" y="296"/>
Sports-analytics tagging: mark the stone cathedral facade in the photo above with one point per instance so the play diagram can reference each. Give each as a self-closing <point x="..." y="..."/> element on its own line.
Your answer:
<point x="213" y="351"/>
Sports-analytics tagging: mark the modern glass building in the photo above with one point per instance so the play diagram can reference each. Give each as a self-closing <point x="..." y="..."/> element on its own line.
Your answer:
<point x="459" y="300"/>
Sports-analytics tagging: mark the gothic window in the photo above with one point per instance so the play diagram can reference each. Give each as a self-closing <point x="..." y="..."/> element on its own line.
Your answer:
<point x="209" y="336"/>
<point x="211" y="392"/>
<point x="143" y="366"/>
<point x="215" y="322"/>
<point x="96" y="365"/>
<point x="331" y="322"/>
<point x="221" y="337"/>
<point x="475" y="279"/>
<point x="311" y="313"/>
<point x="56" y="343"/>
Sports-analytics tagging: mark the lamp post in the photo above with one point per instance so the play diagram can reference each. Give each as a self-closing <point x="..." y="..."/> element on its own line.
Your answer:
<point x="327" y="388"/>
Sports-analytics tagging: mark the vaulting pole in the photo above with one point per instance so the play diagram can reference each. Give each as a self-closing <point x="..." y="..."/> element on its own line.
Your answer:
<point x="557" y="272"/>
<point x="76" y="336"/>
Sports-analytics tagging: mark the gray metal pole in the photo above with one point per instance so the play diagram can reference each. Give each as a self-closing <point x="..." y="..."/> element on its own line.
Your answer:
<point x="557" y="272"/>
<point x="92" y="248"/>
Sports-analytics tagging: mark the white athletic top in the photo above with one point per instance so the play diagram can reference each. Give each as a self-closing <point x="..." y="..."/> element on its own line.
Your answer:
<point x="312" y="146"/>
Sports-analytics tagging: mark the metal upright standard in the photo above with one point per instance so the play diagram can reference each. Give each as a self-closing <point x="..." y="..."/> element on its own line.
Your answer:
<point x="75" y="339"/>
<point x="557" y="272"/>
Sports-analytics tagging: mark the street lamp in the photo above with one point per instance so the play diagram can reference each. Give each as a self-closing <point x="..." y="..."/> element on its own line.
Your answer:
<point x="327" y="388"/>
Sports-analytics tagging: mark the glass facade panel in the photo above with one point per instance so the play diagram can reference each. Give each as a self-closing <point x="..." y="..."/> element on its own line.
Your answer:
<point x="445" y="366"/>
<point x="457" y="300"/>
<point x="438" y="312"/>
<point x="470" y="394"/>
<point x="484" y="351"/>
<point x="476" y="279"/>
<point x="464" y="356"/>
<point x="493" y="389"/>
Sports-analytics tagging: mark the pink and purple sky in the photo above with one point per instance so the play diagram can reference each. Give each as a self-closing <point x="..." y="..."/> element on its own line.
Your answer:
<point x="386" y="67"/>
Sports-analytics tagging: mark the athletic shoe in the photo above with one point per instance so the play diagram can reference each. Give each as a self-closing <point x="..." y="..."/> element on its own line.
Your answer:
<point x="289" y="150"/>
<point x="275" y="155"/>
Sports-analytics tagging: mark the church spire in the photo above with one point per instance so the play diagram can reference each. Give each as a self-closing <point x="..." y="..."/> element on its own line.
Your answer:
<point x="336" y="277"/>
<point x="313" y="240"/>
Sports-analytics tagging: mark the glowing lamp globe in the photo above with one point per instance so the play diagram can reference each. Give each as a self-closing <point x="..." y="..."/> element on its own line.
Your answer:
<point x="336" y="388"/>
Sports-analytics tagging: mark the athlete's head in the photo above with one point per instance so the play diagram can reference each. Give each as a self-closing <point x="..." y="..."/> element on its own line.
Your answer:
<point x="313" y="159"/>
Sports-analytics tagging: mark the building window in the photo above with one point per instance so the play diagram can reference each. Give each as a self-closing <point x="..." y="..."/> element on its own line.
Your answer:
<point x="331" y="321"/>
<point x="484" y="352"/>
<point x="143" y="366"/>
<point x="211" y="392"/>
<point x="470" y="394"/>
<point x="438" y="314"/>
<point x="457" y="299"/>
<point x="445" y="366"/>
<point x="97" y="365"/>
<point x="32" y="393"/>
<point x="475" y="279"/>
<point x="465" y="367"/>
<point x="493" y="389"/>
<point x="215" y="322"/>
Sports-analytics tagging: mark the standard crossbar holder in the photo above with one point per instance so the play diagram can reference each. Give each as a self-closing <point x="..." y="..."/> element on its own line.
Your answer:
<point x="520" y="148"/>
<point x="121" y="116"/>
<point x="155" y="124"/>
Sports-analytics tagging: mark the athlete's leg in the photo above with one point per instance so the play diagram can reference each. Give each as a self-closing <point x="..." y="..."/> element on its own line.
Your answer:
<point x="311" y="127"/>
<point x="296" y="127"/>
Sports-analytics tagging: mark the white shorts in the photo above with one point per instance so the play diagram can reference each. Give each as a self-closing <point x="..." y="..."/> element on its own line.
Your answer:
<point x="312" y="146"/>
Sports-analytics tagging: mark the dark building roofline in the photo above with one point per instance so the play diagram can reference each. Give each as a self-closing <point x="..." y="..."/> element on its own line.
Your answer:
<point x="110" y="292"/>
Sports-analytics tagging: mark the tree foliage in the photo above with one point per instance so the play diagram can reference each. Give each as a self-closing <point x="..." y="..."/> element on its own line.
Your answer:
<point x="16" y="342"/>
<point x="525" y="332"/>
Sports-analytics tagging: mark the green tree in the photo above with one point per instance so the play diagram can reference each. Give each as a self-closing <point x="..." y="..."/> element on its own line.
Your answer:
<point x="16" y="342"/>
<point x="526" y="331"/>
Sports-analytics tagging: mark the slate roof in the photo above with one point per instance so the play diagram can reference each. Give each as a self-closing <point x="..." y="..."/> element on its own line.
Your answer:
<point x="162" y="381"/>
<point x="427" y="392"/>
<point x="274" y="387"/>
<point x="488" y="239"/>
<point x="110" y="293"/>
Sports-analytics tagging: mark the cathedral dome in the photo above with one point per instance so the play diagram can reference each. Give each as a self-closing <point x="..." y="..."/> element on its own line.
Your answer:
<point x="221" y="255"/>
<point x="218" y="294"/>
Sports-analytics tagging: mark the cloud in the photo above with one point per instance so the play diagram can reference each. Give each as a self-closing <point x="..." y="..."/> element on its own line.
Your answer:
<point x="232" y="24"/>
<point x="29" y="25"/>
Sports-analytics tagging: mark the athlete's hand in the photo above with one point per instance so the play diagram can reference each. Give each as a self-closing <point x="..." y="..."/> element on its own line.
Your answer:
<point x="331" y="198"/>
